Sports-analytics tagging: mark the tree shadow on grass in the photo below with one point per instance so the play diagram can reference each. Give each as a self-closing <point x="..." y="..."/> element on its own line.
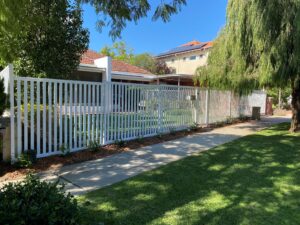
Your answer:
<point x="253" y="180"/>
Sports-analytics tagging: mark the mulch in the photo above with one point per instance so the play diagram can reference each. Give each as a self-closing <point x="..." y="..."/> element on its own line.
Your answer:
<point x="11" y="172"/>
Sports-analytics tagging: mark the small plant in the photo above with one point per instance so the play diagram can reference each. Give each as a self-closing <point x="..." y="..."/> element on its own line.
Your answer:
<point x="194" y="126"/>
<point x="120" y="143"/>
<point x="219" y="124"/>
<point x="159" y="134"/>
<point x="140" y="138"/>
<point x="243" y="117"/>
<point x="172" y="130"/>
<point x="229" y="120"/>
<point x="26" y="159"/>
<point x="65" y="150"/>
<point x="37" y="202"/>
<point x="94" y="146"/>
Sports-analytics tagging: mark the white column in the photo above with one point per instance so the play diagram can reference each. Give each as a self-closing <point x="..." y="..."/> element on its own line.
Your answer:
<point x="12" y="111"/>
<point x="7" y="75"/>
<point x="106" y="63"/>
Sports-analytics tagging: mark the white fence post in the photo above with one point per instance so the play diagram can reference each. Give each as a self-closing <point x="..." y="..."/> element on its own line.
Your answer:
<point x="159" y="110"/>
<point x="196" y="106"/>
<point x="12" y="112"/>
<point x="207" y="99"/>
<point x="230" y="99"/>
<point x="7" y="74"/>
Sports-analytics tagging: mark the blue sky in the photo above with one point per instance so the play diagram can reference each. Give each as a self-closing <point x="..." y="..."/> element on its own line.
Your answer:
<point x="199" y="20"/>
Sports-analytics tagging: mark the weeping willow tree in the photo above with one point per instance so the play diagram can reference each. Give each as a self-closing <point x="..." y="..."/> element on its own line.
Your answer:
<point x="258" y="47"/>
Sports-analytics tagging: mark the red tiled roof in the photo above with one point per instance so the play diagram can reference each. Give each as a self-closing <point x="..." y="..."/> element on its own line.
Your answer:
<point x="89" y="56"/>
<point x="118" y="66"/>
<point x="192" y="43"/>
<point x="209" y="44"/>
<point x="195" y="43"/>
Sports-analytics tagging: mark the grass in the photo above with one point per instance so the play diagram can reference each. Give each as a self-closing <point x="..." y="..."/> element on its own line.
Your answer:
<point x="253" y="180"/>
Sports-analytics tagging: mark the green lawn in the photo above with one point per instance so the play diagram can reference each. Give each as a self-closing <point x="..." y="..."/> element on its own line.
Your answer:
<point x="253" y="180"/>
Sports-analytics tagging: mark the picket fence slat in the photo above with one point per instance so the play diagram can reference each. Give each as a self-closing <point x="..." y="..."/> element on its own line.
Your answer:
<point x="38" y="118"/>
<point x="55" y="116"/>
<point x="44" y="118"/>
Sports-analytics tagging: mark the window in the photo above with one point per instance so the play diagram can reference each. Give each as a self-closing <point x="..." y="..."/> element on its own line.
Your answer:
<point x="192" y="57"/>
<point x="201" y="56"/>
<point x="184" y="58"/>
<point x="173" y="60"/>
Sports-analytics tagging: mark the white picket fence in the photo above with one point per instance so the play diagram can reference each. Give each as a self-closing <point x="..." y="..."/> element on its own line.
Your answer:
<point x="49" y="115"/>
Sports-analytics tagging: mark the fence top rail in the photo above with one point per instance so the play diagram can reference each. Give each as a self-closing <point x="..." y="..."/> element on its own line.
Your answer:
<point x="152" y="85"/>
<point x="51" y="80"/>
<point x="174" y="87"/>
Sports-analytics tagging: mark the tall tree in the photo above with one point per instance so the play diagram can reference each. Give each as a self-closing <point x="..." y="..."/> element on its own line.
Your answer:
<point x="144" y="60"/>
<point x="119" y="51"/>
<point x="258" y="47"/>
<point x="53" y="41"/>
<point x="43" y="38"/>
<point x="117" y="13"/>
<point x="12" y="23"/>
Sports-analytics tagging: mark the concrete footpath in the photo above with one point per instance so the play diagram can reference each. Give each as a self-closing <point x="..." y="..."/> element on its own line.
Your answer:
<point x="91" y="175"/>
<point x="87" y="176"/>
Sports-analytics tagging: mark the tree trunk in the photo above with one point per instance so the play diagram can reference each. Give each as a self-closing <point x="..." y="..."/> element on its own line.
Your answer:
<point x="295" y="124"/>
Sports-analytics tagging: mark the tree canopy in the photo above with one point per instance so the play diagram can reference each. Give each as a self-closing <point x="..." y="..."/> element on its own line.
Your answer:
<point x="116" y="13"/>
<point x="12" y="21"/>
<point x="42" y="37"/>
<point x="121" y="51"/>
<point x="258" y="47"/>
<point x="52" y="46"/>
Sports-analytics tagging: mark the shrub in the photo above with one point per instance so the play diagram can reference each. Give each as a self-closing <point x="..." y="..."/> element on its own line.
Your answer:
<point x="65" y="150"/>
<point x="120" y="143"/>
<point x="37" y="202"/>
<point x="94" y="146"/>
<point x="194" y="127"/>
<point x="26" y="159"/>
<point x="172" y="131"/>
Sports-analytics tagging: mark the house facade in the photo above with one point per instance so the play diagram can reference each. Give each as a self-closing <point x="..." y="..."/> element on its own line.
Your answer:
<point x="186" y="58"/>
<point x="99" y="68"/>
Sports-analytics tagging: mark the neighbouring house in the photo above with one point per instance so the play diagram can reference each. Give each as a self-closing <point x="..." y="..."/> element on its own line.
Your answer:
<point x="186" y="58"/>
<point x="96" y="67"/>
